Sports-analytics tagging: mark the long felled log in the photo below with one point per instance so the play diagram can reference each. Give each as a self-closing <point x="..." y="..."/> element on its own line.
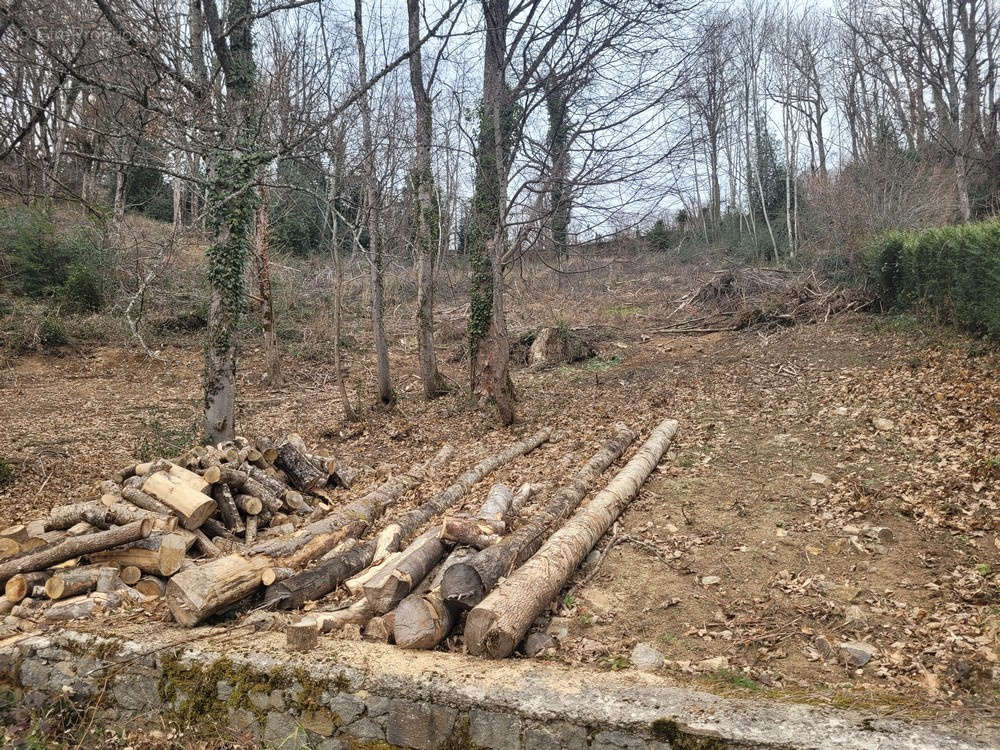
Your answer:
<point x="497" y="624"/>
<point x="467" y="583"/>
<point x="75" y="547"/>
<point x="328" y="574"/>
<point x="366" y="509"/>
<point x="388" y="588"/>
<point x="201" y="591"/>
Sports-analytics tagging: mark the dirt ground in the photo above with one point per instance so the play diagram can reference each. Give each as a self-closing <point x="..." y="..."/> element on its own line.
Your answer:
<point x="755" y="549"/>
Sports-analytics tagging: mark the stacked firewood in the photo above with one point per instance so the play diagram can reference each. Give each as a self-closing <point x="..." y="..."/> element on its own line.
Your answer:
<point x="156" y="519"/>
<point x="253" y="524"/>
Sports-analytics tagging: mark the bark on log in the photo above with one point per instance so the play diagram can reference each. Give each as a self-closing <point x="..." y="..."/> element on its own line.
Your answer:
<point x="79" y="607"/>
<point x="496" y="507"/>
<point x="6" y="605"/>
<point x="319" y="580"/>
<point x="206" y="545"/>
<point x="497" y="624"/>
<point x="470" y="532"/>
<point x="356" y="584"/>
<point x="158" y="554"/>
<point x="227" y="508"/>
<point x="234" y="478"/>
<point x="379" y="629"/>
<point x="190" y="504"/>
<point x="467" y="583"/>
<point x="140" y="499"/>
<point x="270" y="576"/>
<point x="19" y="586"/>
<point x="389" y="587"/>
<point x="199" y="592"/>
<point x="72" y="582"/>
<point x="300" y="470"/>
<point x="75" y="547"/>
<point x="424" y="620"/>
<point x="268" y="499"/>
<point x="296" y="503"/>
<point x="63" y="517"/>
<point x="321" y="544"/>
<point x="250" y="533"/>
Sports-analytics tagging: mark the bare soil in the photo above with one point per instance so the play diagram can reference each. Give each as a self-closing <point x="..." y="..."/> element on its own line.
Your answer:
<point x="744" y="555"/>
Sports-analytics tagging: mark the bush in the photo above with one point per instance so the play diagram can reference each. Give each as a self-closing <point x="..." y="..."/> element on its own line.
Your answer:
<point x="48" y="262"/>
<point x="952" y="271"/>
<point x="6" y="472"/>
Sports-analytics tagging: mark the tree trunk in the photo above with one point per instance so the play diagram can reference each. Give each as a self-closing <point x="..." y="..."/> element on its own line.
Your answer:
<point x="199" y="592"/>
<point x="497" y="624"/>
<point x="425" y="211"/>
<point x="467" y="582"/>
<point x="373" y="214"/>
<point x="75" y="547"/>
<point x="262" y="260"/>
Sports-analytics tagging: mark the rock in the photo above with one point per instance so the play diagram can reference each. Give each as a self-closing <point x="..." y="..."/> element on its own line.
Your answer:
<point x="854" y="616"/>
<point x="881" y="424"/>
<point x="710" y="580"/>
<point x="495" y="731"/>
<point x="842" y="411"/>
<point x="851" y="530"/>
<point x="823" y="646"/>
<point x="536" y="642"/>
<point x="320" y="721"/>
<point x="879" y="534"/>
<point x="856" y="654"/>
<point x="423" y="726"/>
<point x="714" y="663"/>
<point x="609" y="740"/>
<point x="282" y="732"/>
<point x="558" y="628"/>
<point x="814" y="551"/>
<point x="817" y="478"/>
<point x="670" y="528"/>
<point x="554" y="734"/>
<point x="347" y="708"/>
<point x="646" y="658"/>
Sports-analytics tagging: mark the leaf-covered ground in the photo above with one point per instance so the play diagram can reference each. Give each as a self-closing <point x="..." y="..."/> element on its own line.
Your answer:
<point x="830" y="483"/>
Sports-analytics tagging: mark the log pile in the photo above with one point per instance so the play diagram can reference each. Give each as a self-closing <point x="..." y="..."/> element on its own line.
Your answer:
<point x="259" y="525"/>
<point x="155" y="521"/>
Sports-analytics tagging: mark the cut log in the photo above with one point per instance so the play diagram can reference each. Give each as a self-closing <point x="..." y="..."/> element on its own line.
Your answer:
<point x="467" y="583"/>
<point x="191" y="505"/>
<point x="322" y="543"/>
<point x="249" y="504"/>
<point x="302" y="635"/>
<point x="9" y="548"/>
<point x="130" y="575"/>
<point x="356" y="584"/>
<point x="296" y="503"/>
<point x="250" y="533"/>
<point x="303" y="473"/>
<point x="319" y="580"/>
<point x="75" y="547"/>
<point x="211" y="528"/>
<point x="6" y="605"/>
<point x="497" y="624"/>
<point x="387" y="542"/>
<point x="267" y="498"/>
<point x="78" y="607"/>
<point x="388" y="588"/>
<point x="234" y="478"/>
<point x="227" y="508"/>
<point x="18" y="532"/>
<point x="270" y="576"/>
<point x="140" y="499"/>
<point x="63" y="517"/>
<point x="470" y="532"/>
<point x="423" y="620"/>
<point x="72" y="582"/>
<point x="206" y="545"/>
<point x="151" y="586"/>
<point x="496" y="507"/>
<point x="379" y="629"/>
<point x="367" y="509"/>
<point x="199" y="592"/>
<point x="19" y="586"/>
<point x="159" y="554"/>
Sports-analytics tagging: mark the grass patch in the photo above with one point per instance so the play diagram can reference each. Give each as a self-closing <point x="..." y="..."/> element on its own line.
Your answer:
<point x="598" y="364"/>
<point x="625" y="311"/>
<point x="6" y="473"/>
<point x="160" y="440"/>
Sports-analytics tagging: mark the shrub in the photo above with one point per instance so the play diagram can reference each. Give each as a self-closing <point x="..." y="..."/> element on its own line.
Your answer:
<point x="6" y="472"/>
<point x="46" y="261"/>
<point x="952" y="271"/>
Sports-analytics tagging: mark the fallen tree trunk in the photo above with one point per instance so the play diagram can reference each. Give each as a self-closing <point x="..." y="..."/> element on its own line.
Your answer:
<point x="468" y="582"/>
<point x="327" y="575"/>
<point x="201" y="591"/>
<point x="75" y="547"/>
<point x="303" y="473"/>
<point x="497" y="624"/>
<point x="388" y="588"/>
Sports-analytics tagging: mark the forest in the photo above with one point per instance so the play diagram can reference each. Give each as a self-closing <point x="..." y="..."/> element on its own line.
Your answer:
<point x="648" y="335"/>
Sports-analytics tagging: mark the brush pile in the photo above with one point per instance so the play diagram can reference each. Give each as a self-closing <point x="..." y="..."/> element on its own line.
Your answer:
<point x="244" y="523"/>
<point x="761" y="299"/>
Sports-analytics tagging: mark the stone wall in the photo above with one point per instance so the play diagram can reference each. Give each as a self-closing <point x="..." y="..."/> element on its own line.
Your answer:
<point x="359" y="696"/>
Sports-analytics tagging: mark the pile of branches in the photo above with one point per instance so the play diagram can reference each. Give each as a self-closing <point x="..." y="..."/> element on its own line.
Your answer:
<point x="763" y="299"/>
<point x="246" y="525"/>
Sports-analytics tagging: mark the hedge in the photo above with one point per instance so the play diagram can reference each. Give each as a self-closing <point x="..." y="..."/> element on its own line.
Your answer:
<point x="953" y="272"/>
